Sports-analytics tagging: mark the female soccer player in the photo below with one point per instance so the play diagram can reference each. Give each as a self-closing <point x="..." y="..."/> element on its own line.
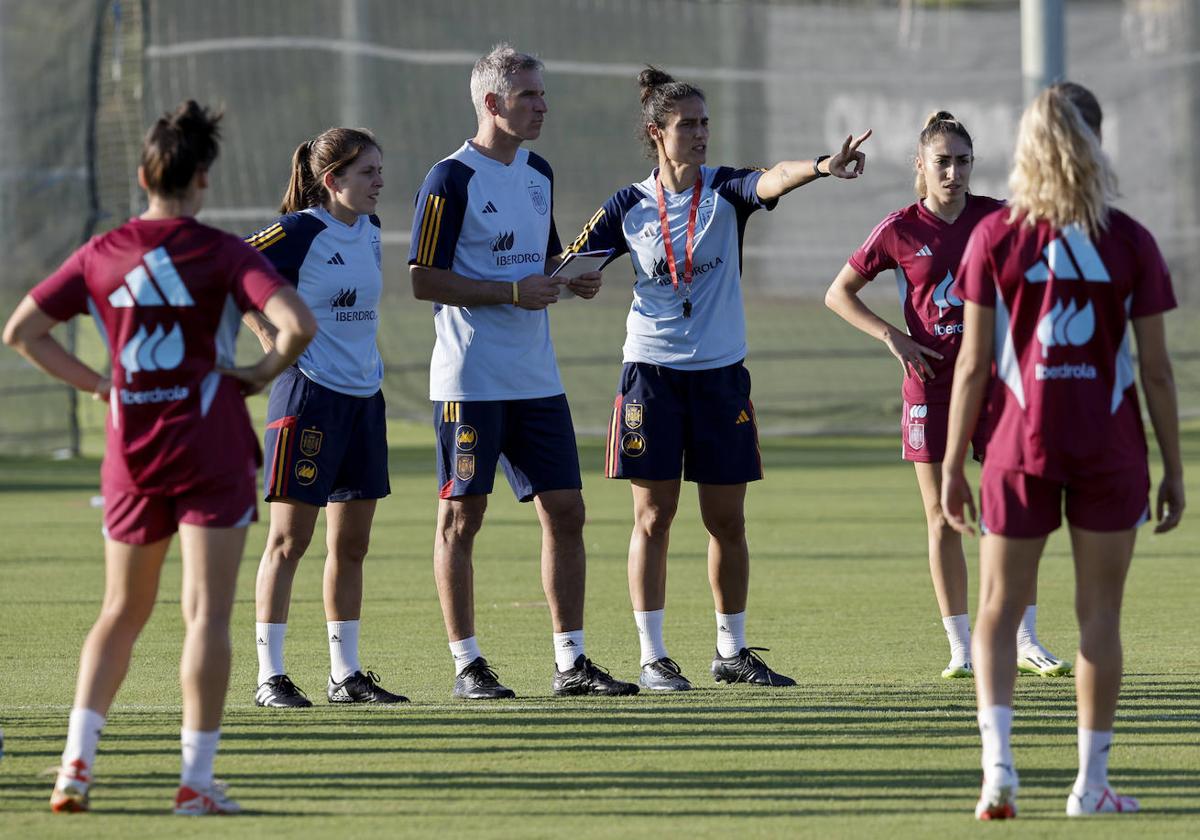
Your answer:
<point x="1052" y="287"/>
<point x="683" y="403"/>
<point x="180" y="454"/>
<point x="326" y="434"/>
<point x="923" y="244"/>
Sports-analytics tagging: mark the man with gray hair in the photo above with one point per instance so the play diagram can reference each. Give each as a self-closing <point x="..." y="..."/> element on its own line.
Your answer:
<point x="483" y="243"/>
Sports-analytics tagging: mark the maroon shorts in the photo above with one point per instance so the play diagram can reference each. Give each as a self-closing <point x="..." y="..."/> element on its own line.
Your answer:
<point x="1016" y="504"/>
<point x="923" y="431"/>
<point x="140" y="520"/>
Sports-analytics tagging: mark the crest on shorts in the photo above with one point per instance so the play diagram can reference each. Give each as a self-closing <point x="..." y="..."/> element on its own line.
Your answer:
<point x="465" y="438"/>
<point x="633" y="415"/>
<point x="539" y="199"/>
<point x="310" y="441"/>
<point x="306" y="472"/>
<point x="633" y="445"/>
<point x="916" y="435"/>
<point x="464" y="467"/>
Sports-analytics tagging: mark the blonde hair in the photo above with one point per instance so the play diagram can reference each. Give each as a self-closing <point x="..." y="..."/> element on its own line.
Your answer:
<point x="937" y="124"/>
<point x="1059" y="172"/>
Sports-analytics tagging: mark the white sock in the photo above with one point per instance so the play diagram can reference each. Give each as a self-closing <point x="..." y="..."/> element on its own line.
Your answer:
<point x="958" y="631"/>
<point x="731" y="633"/>
<point x="269" y="639"/>
<point x="568" y="647"/>
<point x="199" y="750"/>
<point x="1093" y="759"/>
<point x="83" y="735"/>
<point x="464" y="651"/>
<point x="650" y="635"/>
<point x="1027" y="632"/>
<point x="343" y="649"/>
<point x="995" y="727"/>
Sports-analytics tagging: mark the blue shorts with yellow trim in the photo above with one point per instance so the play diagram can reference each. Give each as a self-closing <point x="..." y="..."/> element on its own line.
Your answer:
<point x="533" y="440"/>
<point x="323" y="446"/>
<point x="696" y="423"/>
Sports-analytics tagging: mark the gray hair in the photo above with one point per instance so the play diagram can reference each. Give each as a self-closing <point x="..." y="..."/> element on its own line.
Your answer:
<point x="493" y="74"/>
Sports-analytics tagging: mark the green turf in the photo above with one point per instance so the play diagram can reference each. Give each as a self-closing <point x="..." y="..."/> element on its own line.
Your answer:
<point x="870" y="744"/>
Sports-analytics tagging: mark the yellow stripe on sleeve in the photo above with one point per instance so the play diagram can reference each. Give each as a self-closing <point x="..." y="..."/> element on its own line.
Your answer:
<point x="430" y="226"/>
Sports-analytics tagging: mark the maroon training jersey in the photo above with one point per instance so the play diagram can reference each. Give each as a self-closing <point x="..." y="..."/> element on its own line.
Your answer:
<point x="1068" y="407"/>
<point x="924" y="251"/>
<point x="167" y="297"/>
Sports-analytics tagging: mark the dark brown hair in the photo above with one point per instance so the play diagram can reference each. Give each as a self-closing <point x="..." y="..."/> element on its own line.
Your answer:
<point x="177" y="146"/>
<point x="660" y="94"/>
<point x="1085" y="101"/>
<point x="938" y="124"/>
<point x="330" y="151"/>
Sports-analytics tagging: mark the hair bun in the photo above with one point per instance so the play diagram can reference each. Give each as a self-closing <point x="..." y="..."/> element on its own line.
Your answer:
<point x="652" y="77"/>
<point x="939" y="116"/>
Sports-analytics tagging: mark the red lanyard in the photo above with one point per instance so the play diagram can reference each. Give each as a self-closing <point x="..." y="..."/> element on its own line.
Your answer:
<point x="689" y="245"/>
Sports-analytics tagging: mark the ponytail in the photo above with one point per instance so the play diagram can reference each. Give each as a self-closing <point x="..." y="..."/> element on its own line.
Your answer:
<point x="937" y="124"/>
<point x="330" y="151"/>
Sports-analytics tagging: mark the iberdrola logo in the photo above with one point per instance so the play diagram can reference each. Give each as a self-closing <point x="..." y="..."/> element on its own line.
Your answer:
<point x="944" y="297"/>
<point x="1066" y="327"/>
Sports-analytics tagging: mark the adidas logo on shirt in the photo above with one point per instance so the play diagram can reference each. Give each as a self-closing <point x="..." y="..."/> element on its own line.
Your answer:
<point x="742" y="417"/>
<point x="336" y="259"/>
<point x="1057" y="259"/>
<point x="138" y="290"/>
<point x="924" y="252"/>
<point x="489" y="208"/>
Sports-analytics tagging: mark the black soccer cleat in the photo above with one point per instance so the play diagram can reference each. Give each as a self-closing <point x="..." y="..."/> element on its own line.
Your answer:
<point x="746" y="666"/>
<point x="479" y="682"/>
<point x="361" y="688"/>
<point x="589" y="678"/>
<point x="279" y="692"/>
<point x="663" y="675"/>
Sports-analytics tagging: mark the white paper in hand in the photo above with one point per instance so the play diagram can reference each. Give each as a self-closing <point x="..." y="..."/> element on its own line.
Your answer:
<point x="577" y="264"/>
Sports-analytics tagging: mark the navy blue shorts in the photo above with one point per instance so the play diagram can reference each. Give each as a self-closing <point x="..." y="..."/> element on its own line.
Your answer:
<point x="533" y="440"/>
<point x="696" y="423"/>
<point x="324" y="446"/>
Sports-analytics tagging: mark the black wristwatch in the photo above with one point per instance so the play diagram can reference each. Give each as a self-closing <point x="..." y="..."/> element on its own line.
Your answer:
<point x="817" y="166"/>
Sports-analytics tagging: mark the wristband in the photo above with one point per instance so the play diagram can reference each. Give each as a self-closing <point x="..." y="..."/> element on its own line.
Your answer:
<point x="516" y="294"/>
<point x="817" y="166"/>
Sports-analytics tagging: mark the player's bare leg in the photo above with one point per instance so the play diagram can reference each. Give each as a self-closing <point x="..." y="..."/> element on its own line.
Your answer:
<point x="1101" y="566"/>
<point x="654" y="506"/>
<point x="347" y="540"/>
<point x="948" y="569"/>
<point x="722" y="508"/>
<point x="131" y="574"/>
<point x="211" y="557"/>
<point x="288" y="537"/>
<point x="564" y="560"/>
<point x="564" y="575"/>
<point x="1007" y="571"/>
<point x="459" y="520"/>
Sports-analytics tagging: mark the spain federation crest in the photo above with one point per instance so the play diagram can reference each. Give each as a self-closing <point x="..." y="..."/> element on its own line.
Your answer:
<point x="310" y="441"/>
<point x="464" y="467"/>
<point x="633" y="415"/>
<point x="465" y="438"/>
<point x="538" y="195"/>
<point x="916" y="435"/>
<point x="633" y="445"/>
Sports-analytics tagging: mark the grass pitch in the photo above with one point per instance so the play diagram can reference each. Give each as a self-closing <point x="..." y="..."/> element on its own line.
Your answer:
<point x="870" y="743"/>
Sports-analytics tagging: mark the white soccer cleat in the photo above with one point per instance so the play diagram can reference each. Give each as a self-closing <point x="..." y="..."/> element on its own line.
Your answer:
<point x="1035" y="659"/>
<point x="998" y="797"/>
<point x="70" y="795"/>
<point x="958" y="670"/>
<point x="1097" y="801"/>
<point x="203" y="803"/>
